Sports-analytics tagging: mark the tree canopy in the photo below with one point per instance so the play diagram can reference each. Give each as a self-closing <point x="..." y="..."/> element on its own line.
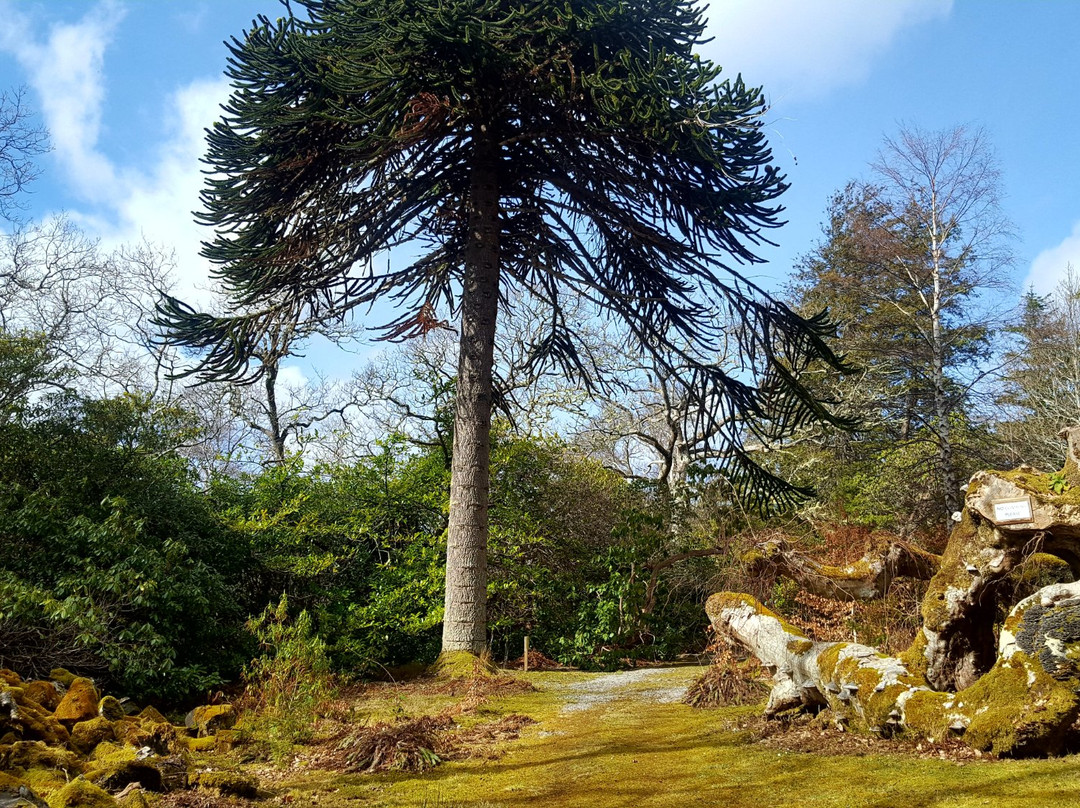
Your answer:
<point x="555" y="150"/>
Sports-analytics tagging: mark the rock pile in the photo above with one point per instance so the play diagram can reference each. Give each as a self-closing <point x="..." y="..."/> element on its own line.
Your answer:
<point x="61" y="739"/>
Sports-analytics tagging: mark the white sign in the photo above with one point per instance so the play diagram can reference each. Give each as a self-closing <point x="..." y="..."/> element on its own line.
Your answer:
<point x="1012" y="511"/>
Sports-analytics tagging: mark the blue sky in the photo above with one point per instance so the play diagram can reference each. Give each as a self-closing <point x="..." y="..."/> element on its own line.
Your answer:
<point x="126" y="89"/>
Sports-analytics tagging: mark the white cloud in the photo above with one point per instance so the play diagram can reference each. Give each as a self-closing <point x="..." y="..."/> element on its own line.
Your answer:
<point x="65" y="67"/>
<point x="803" y="49"/>
<point x="158" y="205"/>
<point x="66" y="71"/>
<point x="1049" y="266"/>
<point x="292" y="376"/>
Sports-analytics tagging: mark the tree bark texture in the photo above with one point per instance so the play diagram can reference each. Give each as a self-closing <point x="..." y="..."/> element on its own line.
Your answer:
<point x="465" y="614"/>
<point x="1016" y="695"/>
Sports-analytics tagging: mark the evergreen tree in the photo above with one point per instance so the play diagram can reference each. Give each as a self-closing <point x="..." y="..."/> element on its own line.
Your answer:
<point x="905" y="268"/>
<point x="1040" y="390"/>
<point x="576" y="150"/>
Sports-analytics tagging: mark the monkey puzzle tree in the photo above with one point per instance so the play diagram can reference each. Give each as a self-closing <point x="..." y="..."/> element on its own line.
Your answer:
<point x="572" y="150"/>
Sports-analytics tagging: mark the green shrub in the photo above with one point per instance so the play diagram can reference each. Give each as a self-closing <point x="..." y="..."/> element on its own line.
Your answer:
<point x="288" y="680"/>
<point x="114" y="565"/>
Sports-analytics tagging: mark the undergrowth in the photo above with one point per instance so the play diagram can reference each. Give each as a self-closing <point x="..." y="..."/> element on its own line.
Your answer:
<point x="288" y="682"/>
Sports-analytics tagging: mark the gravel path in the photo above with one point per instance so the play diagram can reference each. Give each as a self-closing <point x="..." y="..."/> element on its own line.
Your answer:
<point x="607" y="688"/>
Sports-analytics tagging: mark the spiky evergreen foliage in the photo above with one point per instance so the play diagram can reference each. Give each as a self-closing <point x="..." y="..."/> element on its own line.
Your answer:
<point x="549" y="149"/>
<point x="627" y="174"/>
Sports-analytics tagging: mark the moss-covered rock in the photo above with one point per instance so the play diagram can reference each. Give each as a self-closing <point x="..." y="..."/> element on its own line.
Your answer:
<point x="209" y="719"/>
<point x="80" y="703"/>
<point x="110" y="708"/>
<point x="161" y="738"/>
<point x="25" y="719"/>
<point x="17" y="793"/>
<point x="150" y="715"/>
<point x="82" y="794"/>
<point x="9" y="677"/>
<point x="134" y="799"/>
<point x="197" y="745"/>
<point x="86" y="735"/>
<point x="62" y="676"/>
<point x="44" y="693"/>
<point x="229" y="783"/>
<point x="115" y="775"/>
<point x="37" y="754"/>
<point x="226" y="740"/>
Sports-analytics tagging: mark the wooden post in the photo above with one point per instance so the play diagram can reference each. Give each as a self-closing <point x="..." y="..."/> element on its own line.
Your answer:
<point x="526" y="657"/>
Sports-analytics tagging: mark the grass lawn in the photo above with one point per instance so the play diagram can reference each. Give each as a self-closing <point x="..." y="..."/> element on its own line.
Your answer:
<point x="621" y="741"/>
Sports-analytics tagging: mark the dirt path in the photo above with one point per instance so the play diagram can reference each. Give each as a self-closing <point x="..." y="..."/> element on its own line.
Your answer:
<point x="633" y="684"/>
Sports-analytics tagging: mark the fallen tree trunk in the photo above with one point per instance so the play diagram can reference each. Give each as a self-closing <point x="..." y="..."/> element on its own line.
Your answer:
<point x="1014" y="696"/>
<point x="868" y="578"/>
<point x="1023" y="706"/>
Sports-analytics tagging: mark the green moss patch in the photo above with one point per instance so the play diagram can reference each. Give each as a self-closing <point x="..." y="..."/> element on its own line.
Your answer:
<point x="632" y="751"/>
<point x="82" y="794"/>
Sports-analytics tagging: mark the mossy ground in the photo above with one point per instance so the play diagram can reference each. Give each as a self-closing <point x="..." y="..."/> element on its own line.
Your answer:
<point x="628" y="748"/>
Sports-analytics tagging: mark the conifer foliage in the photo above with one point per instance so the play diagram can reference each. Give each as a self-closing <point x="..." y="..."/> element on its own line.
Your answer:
<point x="551" y="149"/>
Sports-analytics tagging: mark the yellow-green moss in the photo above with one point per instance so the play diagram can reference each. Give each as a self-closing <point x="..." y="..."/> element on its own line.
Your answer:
<point x="730" y="600"/>
<point x="205" y="744"/>
<point x="110" y="707"/>
<point x="463" y="665"/>
<point x="650" y="755"/>
<point x="799" y="646"/>
<point x="10" y="677"/>
<point x="82" y="794"/>
<point x="136" y="799"/>
<point x="210" y="718"/>
<point x="36" y="754"/>
<point x="965" y="539"/>
<point x="151" y="715"/>
<point x="86" y="735"/>
<point x="1040" y="485"/>
<point x="828" y="660"/>
<point x="232" y="783"/>
<point x="45" y="782"/>
<point x="914" y="658"/>
<point x="34" y="722"/>
<point x="1017" y="708"/>
<point x="925" y="714"/>
<point x="226" y="739"/>
<point x="62" y="676"/>
<point x="108" y="752"/>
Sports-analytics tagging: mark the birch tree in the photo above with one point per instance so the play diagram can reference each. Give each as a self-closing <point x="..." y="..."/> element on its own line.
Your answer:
<point x="909" y="269"/>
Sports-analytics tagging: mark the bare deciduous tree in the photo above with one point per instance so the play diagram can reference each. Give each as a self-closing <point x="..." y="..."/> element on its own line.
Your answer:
<point x="22" y="139"/>
<point x="944" y="191"/>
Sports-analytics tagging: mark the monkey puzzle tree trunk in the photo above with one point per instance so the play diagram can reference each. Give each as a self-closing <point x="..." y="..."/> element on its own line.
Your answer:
<point x="465" y="615"/>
